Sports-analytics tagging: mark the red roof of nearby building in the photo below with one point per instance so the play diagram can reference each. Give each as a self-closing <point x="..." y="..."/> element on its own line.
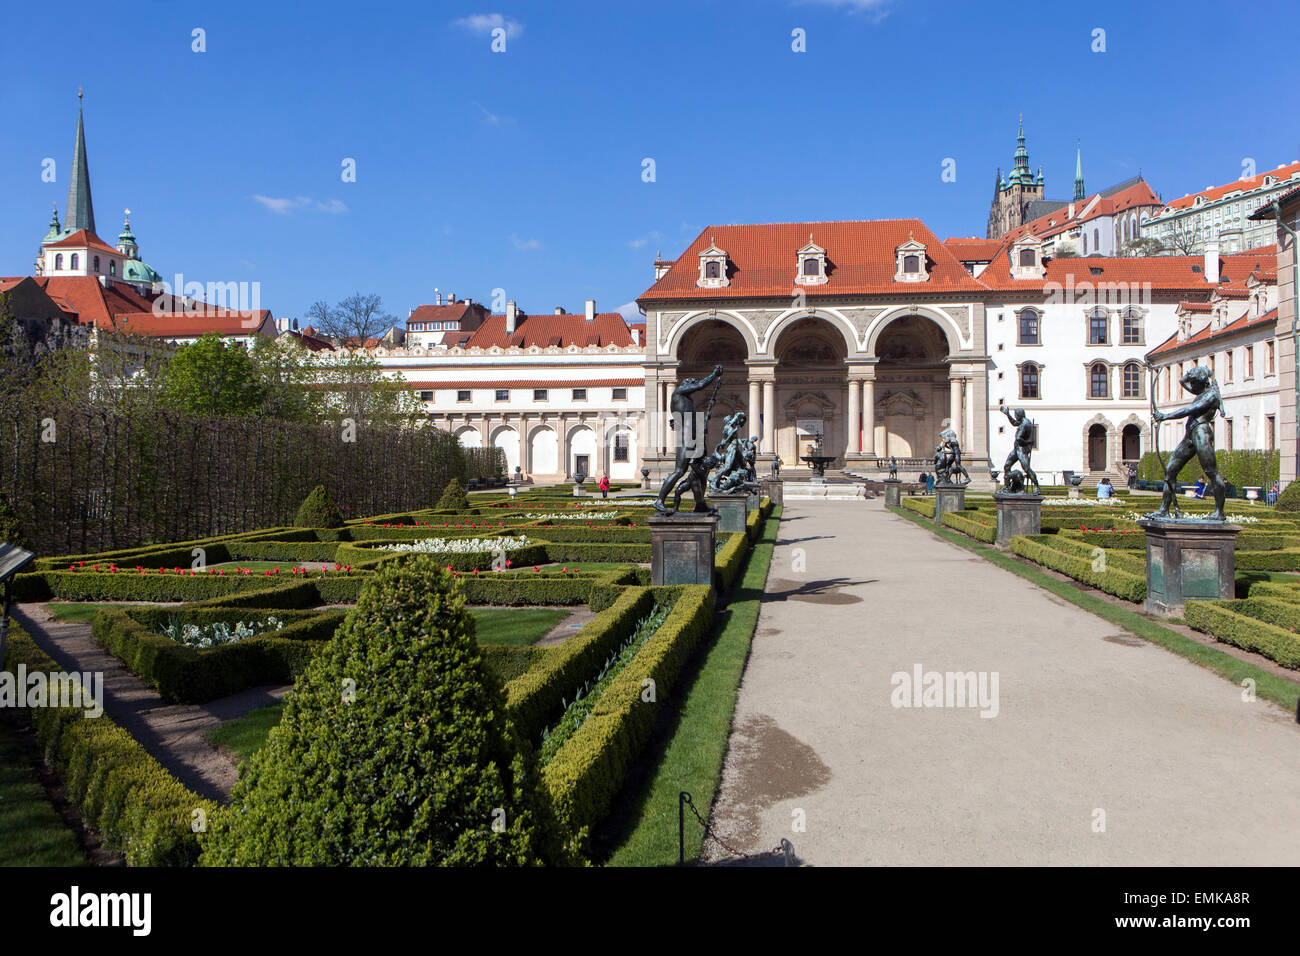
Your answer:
<point x="83" y="238"/>
<point x="438" y="313"/>
<point x="1085" y="210"/>
<point x="762" y="260"/>
<point x="973" y="249"/>
<point x="1163" y="273"/>
<point x="547" y="329"/>
<point x="310" y="341"/>
<point x="192" y="325"/>
<point x="1209" y="334"/>
<point x="92" y="302"/>
<point x="1239" y="185"/>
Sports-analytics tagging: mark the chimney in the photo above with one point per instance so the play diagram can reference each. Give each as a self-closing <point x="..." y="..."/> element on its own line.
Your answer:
<point x="437" y="297"/>
<point x="559" y="310"/>
<point x="451" y="298"/>
<point x="591" y="310"/>
<point x="1211" y="268"/>
<point x="510" y="317"/>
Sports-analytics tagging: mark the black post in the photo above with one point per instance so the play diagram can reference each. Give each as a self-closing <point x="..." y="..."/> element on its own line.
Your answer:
<point x="4" y="621"/>
<point x="683" y="798"/>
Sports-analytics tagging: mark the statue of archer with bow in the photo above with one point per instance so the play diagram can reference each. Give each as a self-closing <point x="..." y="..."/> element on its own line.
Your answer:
<point x="691" y="467"/>
<point x="1198" y="440"/>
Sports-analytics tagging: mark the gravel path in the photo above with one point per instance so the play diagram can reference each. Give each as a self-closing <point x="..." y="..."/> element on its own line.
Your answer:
<point x="172" y="733"/>
<point x="1104" y="749"/>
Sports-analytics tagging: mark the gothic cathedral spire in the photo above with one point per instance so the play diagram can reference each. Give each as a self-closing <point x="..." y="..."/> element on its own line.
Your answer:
<point x="1079" y="192"/>
<point x="79" y="213"/>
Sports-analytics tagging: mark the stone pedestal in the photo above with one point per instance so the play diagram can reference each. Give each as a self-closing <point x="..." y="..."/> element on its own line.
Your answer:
<point x="1018" y="514"/>
<point x="893" y="493"/>
<point x="733" y="510"/>
<point x="1073" y="492"/>
<point x="681" y="548"/>
<point x="948" y="498"/>
<point x="1188" y="559"/>
<point x="772" y="488"/>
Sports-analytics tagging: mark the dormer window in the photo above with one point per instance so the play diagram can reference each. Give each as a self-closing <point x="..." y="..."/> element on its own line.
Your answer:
<point x="713" y="268"/>
<point x="909" y="262"/>
<point x="1027" y="258"/>
<point x="811" y="261"/>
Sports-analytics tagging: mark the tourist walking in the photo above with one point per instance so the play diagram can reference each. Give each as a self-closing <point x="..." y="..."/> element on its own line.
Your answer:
<point x="604" y="486"/>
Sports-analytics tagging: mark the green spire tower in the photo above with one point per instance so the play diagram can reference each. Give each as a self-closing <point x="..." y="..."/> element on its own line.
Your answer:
<point x="1079" y="192"/>
<point x="79" y="213"/>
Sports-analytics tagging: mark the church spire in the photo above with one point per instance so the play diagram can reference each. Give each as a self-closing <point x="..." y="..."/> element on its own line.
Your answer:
<point x="79" y="212"/>
<point x="1020" y="172"/>
<point x="1079" y="192"/>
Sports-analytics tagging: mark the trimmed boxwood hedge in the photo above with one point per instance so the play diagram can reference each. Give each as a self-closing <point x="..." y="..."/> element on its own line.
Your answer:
<point x="589" y="770"/>
<point x="1283" y="559"/>
<point x="534" y="698"/>
<point x="1221" y="620"/>
<point x="970" y="524"/>
<point x="729" y="559"/>
<point x="122" y="793"/>
<point x="1076" y="561"/>
<point x="369" y="556"/>
<point x="189" y="675"/>
<point x="922" y="506"/>
<point x="130" y="586"/>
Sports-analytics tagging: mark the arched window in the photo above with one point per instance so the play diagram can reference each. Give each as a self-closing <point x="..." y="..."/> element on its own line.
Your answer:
<point x="1126" y="226"/>
<point x="1099" y="380"/>
<point x="1097" y="327"/>
<point x="1029" y="380"/>
<point x="112" y="267"/>
<point x="1132" y="328"/>
<point x="913" y="263"/>
<point x="74" y="260"/>
<point x="1096" y="240"/>
<point x="712" y="270"/>
<point x="1085" y="243"/>
<point x="811" y="267"/>
<point x="1132" y="380"/>
<point x="58" y="260"/>
<point x="1027" y="260"/>
<point x="1029" y="331"/>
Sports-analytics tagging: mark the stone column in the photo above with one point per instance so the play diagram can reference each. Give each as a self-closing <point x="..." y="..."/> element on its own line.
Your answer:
<point x="755" y="409"/>
<point x="854" y="418"/>
<point x="769" y="417"/>
<point x="954" y="405"/>
<point x="868" y="416"/>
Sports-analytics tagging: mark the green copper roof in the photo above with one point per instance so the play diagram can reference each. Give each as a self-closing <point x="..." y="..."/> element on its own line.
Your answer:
<point x="1078" y="174"/>
<point x="80" y="210"/>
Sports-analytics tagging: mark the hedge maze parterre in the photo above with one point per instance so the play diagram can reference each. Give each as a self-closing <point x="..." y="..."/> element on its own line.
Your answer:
<point x="1101" y="545"/>
<point x="573" y="552"/>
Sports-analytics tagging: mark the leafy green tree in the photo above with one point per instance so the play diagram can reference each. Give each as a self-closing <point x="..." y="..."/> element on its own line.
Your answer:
<point x="453" y="498"/>
<point x="211" y="377"/>
<point x="11" y="529"/>
<point x="394" y="749"/>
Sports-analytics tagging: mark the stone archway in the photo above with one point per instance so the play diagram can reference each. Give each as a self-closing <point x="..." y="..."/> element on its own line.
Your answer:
<point x="913" y="392"/>
<point x="1099" y="441"/>
<point x="811" y="398"/>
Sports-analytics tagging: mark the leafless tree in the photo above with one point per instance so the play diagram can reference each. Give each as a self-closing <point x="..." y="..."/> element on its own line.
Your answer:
<point x="360" y="316"/>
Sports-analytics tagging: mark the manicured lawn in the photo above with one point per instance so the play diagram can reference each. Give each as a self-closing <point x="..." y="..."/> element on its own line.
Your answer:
<point x="31" y="831"/>
<point x="246" y="735"/>
<point x="515" y="627"/>
<point x="697" y="738"/>
<point x="76" y="610"/>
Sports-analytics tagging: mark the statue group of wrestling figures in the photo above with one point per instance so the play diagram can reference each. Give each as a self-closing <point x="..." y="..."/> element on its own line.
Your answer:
<point x="733" y="458"/>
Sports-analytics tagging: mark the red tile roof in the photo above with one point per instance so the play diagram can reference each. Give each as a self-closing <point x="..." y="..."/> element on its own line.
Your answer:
<point x="973" y="249"/>
<point x="193" y="325"/>
<point x="91" y="302"/>
<point x="438" y="313"/>
<point x="547" y="329"/>
<point x="1208" y="334"/>
<point x="84" y="238"/>
<point x="1243" y="185"/>
<point x="1058" y="221"/>
<point x="1164" y="273"/>
<point x="309" y="341"/>
<point x="762" y="261"/>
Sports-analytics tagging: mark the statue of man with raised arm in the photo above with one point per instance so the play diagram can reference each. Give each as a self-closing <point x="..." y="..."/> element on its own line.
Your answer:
<point x="691" y="444"/>
<point x="1023" y="445"/>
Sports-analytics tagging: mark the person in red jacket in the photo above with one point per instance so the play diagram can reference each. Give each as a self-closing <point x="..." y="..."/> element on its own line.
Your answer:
<point x="604" y="486"/>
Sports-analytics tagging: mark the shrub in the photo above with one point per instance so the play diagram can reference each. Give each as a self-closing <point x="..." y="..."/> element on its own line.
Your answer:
<point x="318" y="511"/>
<point x="1218" y="618"/>
<point x="1241" y="469"/>
<point x="11" y="529"/>
<point x="453" y="498"/>
<point x="411" y="770"/>
<point x="1289" y="499"/>
<point x="1118" y="574"/>
<point x="969" y="524"/>
<point x="922" y="506"/>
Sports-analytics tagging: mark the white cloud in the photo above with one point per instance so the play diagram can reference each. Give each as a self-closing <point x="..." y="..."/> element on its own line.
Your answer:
<point x="485" y="23"/>
<point x="876" y="8"/>
<point x="493" y="119"/>
<point x="642" y="241"/>
<point x="284" y="205"/>
<point x="631" y="312"/>
<point x="526" y="245"/>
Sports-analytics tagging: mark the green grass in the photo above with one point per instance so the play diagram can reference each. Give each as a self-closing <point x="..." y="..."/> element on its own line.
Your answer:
<point x="31" y="831"/>
<point x="246" y="735"/>
<point x="697" y="739"/>
<point x="76" y="610"/>
<point x="1268" y="686"/>
<point x="515" y="627"/>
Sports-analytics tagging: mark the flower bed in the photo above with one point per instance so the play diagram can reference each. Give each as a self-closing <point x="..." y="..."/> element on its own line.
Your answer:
<point x="218" y="633"/>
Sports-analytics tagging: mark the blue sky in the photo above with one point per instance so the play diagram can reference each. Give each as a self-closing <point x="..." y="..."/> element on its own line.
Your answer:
<point x="522" y="170"/>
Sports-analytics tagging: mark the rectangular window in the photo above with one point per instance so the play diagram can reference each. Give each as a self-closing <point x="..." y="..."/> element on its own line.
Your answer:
<point x="1132" y="330"/>
<point x="1099" y="381"/>
<point x="1097" y="328"/>
<point x="426" y="396"/>
<point x="1132" y="381"/>
<point x="462" y="395"/>
<point x="620" y="447"/>
<point x="1270" y="432"/>
<point x="620" y="394"/>
<point x="579" y="394"/>
<point x="503" y="394"/>
<point x="1227" y="365"/>
<point x="1029" y="383"/>
<point x="1271" y="368"/>
<point x="539" y="394"/>
<point x="1029" y="327"/>
<point x="1250" y="361"/>
<point x="415" y="327"/>
<point x="1227" y="434"/>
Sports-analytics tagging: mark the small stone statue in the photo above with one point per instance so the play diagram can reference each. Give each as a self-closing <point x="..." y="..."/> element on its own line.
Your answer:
<point x="1021" y="449"/>
<point x="893" y="469"/>
<point x="947" y="459"/>
<point x="1198" y="441"/>
<point x="692" y="464"/>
